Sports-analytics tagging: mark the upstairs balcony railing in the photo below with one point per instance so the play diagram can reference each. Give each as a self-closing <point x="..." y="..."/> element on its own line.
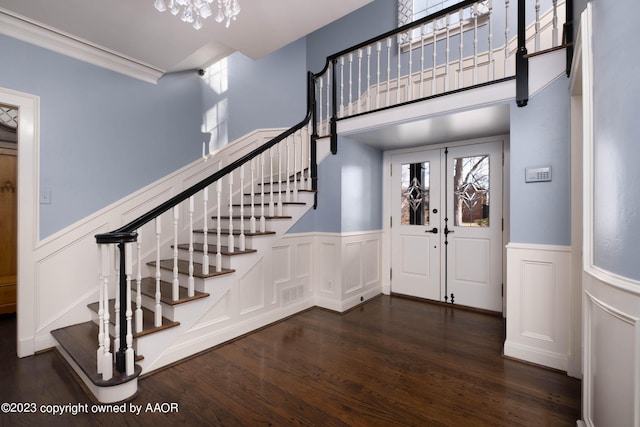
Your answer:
<point x="457" y="48"/>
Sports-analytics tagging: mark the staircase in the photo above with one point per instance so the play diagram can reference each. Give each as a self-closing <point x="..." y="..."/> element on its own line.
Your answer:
<point x="175" y="264"/>
<point x="77" y="343"/>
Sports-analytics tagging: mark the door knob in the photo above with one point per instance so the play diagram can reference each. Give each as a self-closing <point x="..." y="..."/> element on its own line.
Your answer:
<point x="434" y="230"/>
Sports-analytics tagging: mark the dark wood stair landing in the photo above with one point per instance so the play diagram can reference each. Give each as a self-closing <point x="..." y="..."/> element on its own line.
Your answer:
<point x="81" y="342"/>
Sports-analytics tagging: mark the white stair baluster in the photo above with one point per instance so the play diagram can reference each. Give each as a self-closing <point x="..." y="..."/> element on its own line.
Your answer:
<point x="218" y="225"/>
<point x="205" y="230"/>
<point x="100" y="351"/>
<point x="191" y="280"/>
<point x="329" y="100"/>
<point x="399" y="66"/>
<point x="490" y="74"/>
<point x="138" y="320"/>
<point x="252" y="221"/>
<point x="116" y="304"/>
<point x="434" y="69"/>
<point x="107" y="357"/>
<point x="176" y="282"/>
<point x="342" y="86"/>
<point x="295" y="171"/>
<point x="359" y="93"/>
<point x="368" y="105"/>
<point x="231" y="238"/>
<point x="422" y="32"/>
<point x="388" y="72"/>
<point x="288" y="168"/>
<point x="350" y="83"/>
<point x="128" y="266"/>
<point x="461" y="51"/>
<point x="242" y="240"/>
<point x="271" y="186"/>
<point x="537" y="27"/>
<point x="554" y="33"/>
<point x="378" y="50"/>
<point x="506" y="38"/>
<point x="475" y="43"/>
<point x="101" y="304"/>
<point x="320" y="103"/>
<point x="409" y="74"/>
<point x="447" y="54"/>
<point x="157" y="320"/>
<point x="280" y="179"/>
<point x="302" y="144"/>
<point x="262" y="204"/>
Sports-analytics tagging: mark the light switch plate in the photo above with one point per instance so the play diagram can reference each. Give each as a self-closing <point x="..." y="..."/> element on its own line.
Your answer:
<point x="45" y="197"/>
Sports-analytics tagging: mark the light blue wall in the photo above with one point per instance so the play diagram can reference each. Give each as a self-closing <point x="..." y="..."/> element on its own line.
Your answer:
<point x="541" y="212"/>
<point x="243" y="94"/>
<point x="369" y="21"/>
<point x="349" y="192"/>
<point x="616" y="138"/>
<point x="102" y="135"/>
<point x="105" y="135"/>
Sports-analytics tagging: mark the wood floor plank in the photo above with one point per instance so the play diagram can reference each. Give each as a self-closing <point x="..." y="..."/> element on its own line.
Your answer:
<point x="391" y="361"/>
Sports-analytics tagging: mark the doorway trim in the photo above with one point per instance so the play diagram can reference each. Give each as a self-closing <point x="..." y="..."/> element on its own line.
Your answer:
<point x="386" y="203"/>
<point x="28" y="213"/>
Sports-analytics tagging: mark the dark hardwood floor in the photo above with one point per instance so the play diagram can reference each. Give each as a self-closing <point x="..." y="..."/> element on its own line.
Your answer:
<point x="391" y="361"/>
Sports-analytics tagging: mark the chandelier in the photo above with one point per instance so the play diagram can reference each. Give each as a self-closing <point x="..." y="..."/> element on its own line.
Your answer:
<point x="194" y="11"/>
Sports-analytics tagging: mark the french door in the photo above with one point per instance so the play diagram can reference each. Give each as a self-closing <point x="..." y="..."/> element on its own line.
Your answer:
<point x="446" y="226"/>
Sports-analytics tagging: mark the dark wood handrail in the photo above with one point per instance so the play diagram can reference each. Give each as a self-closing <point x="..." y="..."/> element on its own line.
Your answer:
<point x="127" y="233"/>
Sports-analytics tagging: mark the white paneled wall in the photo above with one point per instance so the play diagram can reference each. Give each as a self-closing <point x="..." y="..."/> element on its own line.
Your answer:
<point x="348" y="269"/>
<point x="538" y="304"/>
<point x="611" y="378"/>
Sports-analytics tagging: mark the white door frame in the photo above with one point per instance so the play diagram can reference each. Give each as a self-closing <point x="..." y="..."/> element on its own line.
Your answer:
<point x="28" y="212"/>
<point x="386" y="203"/>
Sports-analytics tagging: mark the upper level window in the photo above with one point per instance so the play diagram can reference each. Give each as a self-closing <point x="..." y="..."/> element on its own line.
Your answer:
<point x="412" y="10"/>
<point x="422" y="8"/>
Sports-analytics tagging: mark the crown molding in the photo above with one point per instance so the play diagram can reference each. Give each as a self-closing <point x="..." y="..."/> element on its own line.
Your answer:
<point x="24" y="29"/>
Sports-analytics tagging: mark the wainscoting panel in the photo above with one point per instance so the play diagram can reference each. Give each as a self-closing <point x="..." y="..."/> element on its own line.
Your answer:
<point x="538" y="304"/>
<point x="349" y="269"/>
<point x="611" y="356"/>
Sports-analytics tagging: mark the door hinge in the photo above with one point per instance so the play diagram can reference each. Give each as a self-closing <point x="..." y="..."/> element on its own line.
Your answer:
<point x="390" y="222"/>
<point x="502" y="291"/>
<point x="391" y="169"/>
<point x="502" y="226"/>
<point x="391" y="274"/>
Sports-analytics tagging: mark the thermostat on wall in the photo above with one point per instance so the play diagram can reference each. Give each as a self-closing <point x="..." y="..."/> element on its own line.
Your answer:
<point x="542" y="174"/>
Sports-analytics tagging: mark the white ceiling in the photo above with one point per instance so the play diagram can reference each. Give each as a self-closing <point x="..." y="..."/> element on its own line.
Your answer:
<point x="135" y="30"/>
<point x="458" y="126"/>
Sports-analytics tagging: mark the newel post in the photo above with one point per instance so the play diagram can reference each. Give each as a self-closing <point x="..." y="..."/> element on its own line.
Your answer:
<point x="522" y="62"/>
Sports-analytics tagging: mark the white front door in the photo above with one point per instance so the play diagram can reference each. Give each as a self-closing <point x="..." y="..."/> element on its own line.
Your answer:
<point x="446" y="226"/>
<point x="474" y="226"/>
<point x="416" y="251"/>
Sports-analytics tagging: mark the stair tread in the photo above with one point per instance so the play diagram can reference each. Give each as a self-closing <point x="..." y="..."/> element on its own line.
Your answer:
<point x="183" y="268"/>
<point x="248" y="217"/>
<point x="276" y="202"/>
<point x="224" y="250"/>
<point x="258" y="193"/>
<point x="148" y="318"/>
<point x="148" y="287"/>
<point x="237" y="232"/>
<point x="80" y="342"/>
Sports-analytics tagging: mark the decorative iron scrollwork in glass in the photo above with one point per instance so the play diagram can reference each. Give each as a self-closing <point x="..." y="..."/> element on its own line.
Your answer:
<point x="415" y="194"/>
<point x="471" y="191"/>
